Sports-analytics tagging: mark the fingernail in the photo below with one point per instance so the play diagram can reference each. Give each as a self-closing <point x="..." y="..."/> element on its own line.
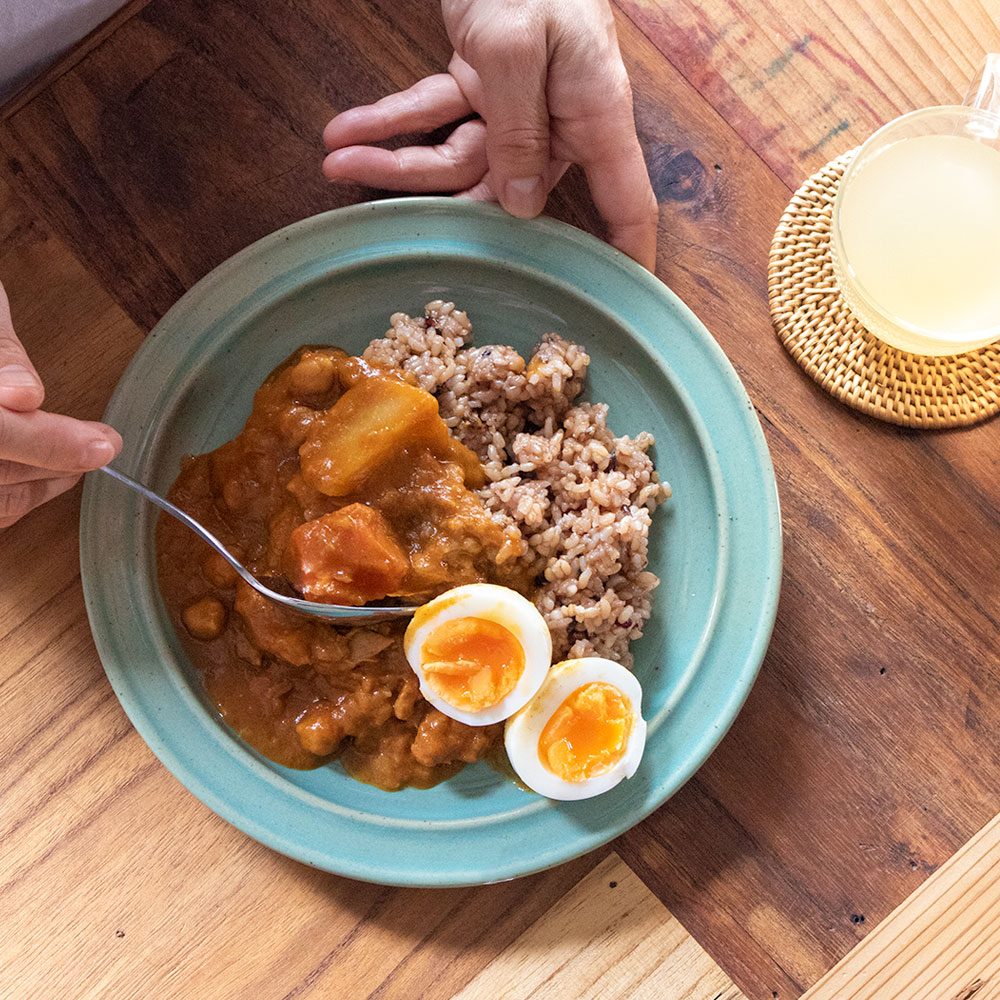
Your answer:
<point x="100" y="452"/>
<point x="524" y="197"/>
<point x="17" y="377"/>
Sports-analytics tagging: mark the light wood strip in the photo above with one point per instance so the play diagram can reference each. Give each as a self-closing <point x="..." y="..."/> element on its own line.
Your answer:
<point x="607" y="938"/>
<point x="942" y="943"/>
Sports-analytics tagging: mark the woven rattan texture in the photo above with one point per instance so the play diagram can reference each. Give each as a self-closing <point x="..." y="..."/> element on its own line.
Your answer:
<point x="824" y="337"/>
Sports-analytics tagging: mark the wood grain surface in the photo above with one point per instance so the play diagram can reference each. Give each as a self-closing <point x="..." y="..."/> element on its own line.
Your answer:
<point x="942" y="943"/>
<point x="801" y="82"/>
<point x="867" y="752"/>
<point x="608" y="938"/>
<point x="115" y="882"/>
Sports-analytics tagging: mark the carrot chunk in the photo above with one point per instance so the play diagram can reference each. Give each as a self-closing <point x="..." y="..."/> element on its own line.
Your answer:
<point x="348" y="557"/>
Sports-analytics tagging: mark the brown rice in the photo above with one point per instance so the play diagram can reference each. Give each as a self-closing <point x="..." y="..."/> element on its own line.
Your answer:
<point x="558" y="479"/>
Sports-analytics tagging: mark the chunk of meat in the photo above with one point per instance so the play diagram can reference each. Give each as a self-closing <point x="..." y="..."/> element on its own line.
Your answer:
<point x="382" y="757"/>
<point x="348" y="557"/>
<point x="326" y="722"/>
<point x="320" y="729"/>
<point x="272" y="628"/>
<point x="365" y="645"/>
<point x="408" y="698"/>
<point x="450" y="535"/>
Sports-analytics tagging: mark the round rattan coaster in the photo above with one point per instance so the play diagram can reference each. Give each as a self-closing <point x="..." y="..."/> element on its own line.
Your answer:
<point x="830" y="343"/>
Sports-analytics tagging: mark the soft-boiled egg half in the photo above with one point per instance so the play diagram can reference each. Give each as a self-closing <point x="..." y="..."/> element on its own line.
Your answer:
<point x="480" y="652"/>
<point x="582" y="733"/>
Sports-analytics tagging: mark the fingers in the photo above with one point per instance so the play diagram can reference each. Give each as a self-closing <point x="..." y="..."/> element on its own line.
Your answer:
<point x="428" y="104"/>
<point x="612" y="158"/>
<point x="512" y="67"/>
<point x="485" y="191"/>
<point x="590" y="90"/>
<point x="20" y="386"/>
<point x="53" y="441"/>
<point x="41" y="454"/>
<point x="18" y="472"/>
<point x="17" y="499"/>
<point x="454" y="165"/>
<point x="619" y="185"/>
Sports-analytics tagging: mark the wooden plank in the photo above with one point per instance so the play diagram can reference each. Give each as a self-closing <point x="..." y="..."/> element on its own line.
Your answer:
<point x="863" y="758"/>
<point x="195" y="908"/>
<point x="608" y="938"/>
<point x="819" y="812"/>
<point x="80" y="342"/>
<point x="107" y="147"/>
<point x="942" y="943"/>
<point x="803" y="82"/>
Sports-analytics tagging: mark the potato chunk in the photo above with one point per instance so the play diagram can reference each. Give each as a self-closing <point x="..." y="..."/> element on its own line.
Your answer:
<point x="370" y="425"/>
<point x="366" y="427"/>
<point x="348" y="557"/>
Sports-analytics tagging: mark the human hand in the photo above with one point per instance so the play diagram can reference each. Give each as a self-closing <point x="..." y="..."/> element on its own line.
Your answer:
<point x="41" y="454"/>
<point x="548" y="81"/>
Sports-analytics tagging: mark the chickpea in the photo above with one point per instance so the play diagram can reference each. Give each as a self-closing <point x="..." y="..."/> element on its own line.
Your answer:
<point x="314" y="374"/>
<point x="295" y="423"/>
<point x="217" y="571"/>
<point x="205" y="619"/>
<point x="318" y="731"/>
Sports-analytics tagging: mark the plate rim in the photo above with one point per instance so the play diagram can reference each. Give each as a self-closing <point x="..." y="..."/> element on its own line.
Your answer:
<point x="763" y="621"/>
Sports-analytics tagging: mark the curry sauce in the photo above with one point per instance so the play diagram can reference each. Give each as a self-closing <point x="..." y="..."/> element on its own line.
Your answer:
<point x="344" y="486"/>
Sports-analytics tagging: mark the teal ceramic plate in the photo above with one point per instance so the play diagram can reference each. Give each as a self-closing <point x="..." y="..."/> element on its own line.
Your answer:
<point x="336" y="278"/>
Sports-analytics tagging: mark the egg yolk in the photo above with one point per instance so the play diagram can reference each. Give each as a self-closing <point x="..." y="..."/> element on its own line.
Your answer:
<point x="472" y="663"/>
<point x="587" y="734"/>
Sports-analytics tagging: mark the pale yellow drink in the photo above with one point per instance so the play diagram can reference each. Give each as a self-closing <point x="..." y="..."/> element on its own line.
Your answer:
<point x="919" y="234"/>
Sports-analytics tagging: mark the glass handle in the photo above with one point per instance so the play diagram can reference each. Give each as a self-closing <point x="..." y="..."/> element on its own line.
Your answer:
<point x="984" y="91"/>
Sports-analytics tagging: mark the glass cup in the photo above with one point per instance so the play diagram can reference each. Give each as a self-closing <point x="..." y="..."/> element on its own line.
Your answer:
<point x="915" y="233"/>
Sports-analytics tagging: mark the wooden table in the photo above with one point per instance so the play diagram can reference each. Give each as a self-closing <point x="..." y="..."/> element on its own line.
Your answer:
<point x="868" y="753"/>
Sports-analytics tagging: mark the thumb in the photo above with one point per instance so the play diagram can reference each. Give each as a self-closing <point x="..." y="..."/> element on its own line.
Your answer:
<point x="513" y="77"/>
<point x="20" y="386"/>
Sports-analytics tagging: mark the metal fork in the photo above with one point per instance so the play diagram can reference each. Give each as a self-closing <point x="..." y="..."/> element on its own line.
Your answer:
<point x="336" y="613"/>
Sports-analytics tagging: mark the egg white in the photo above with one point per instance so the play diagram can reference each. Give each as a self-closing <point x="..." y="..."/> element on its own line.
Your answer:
<point x="504" y="606"/>
<point x="524" y="729"/>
